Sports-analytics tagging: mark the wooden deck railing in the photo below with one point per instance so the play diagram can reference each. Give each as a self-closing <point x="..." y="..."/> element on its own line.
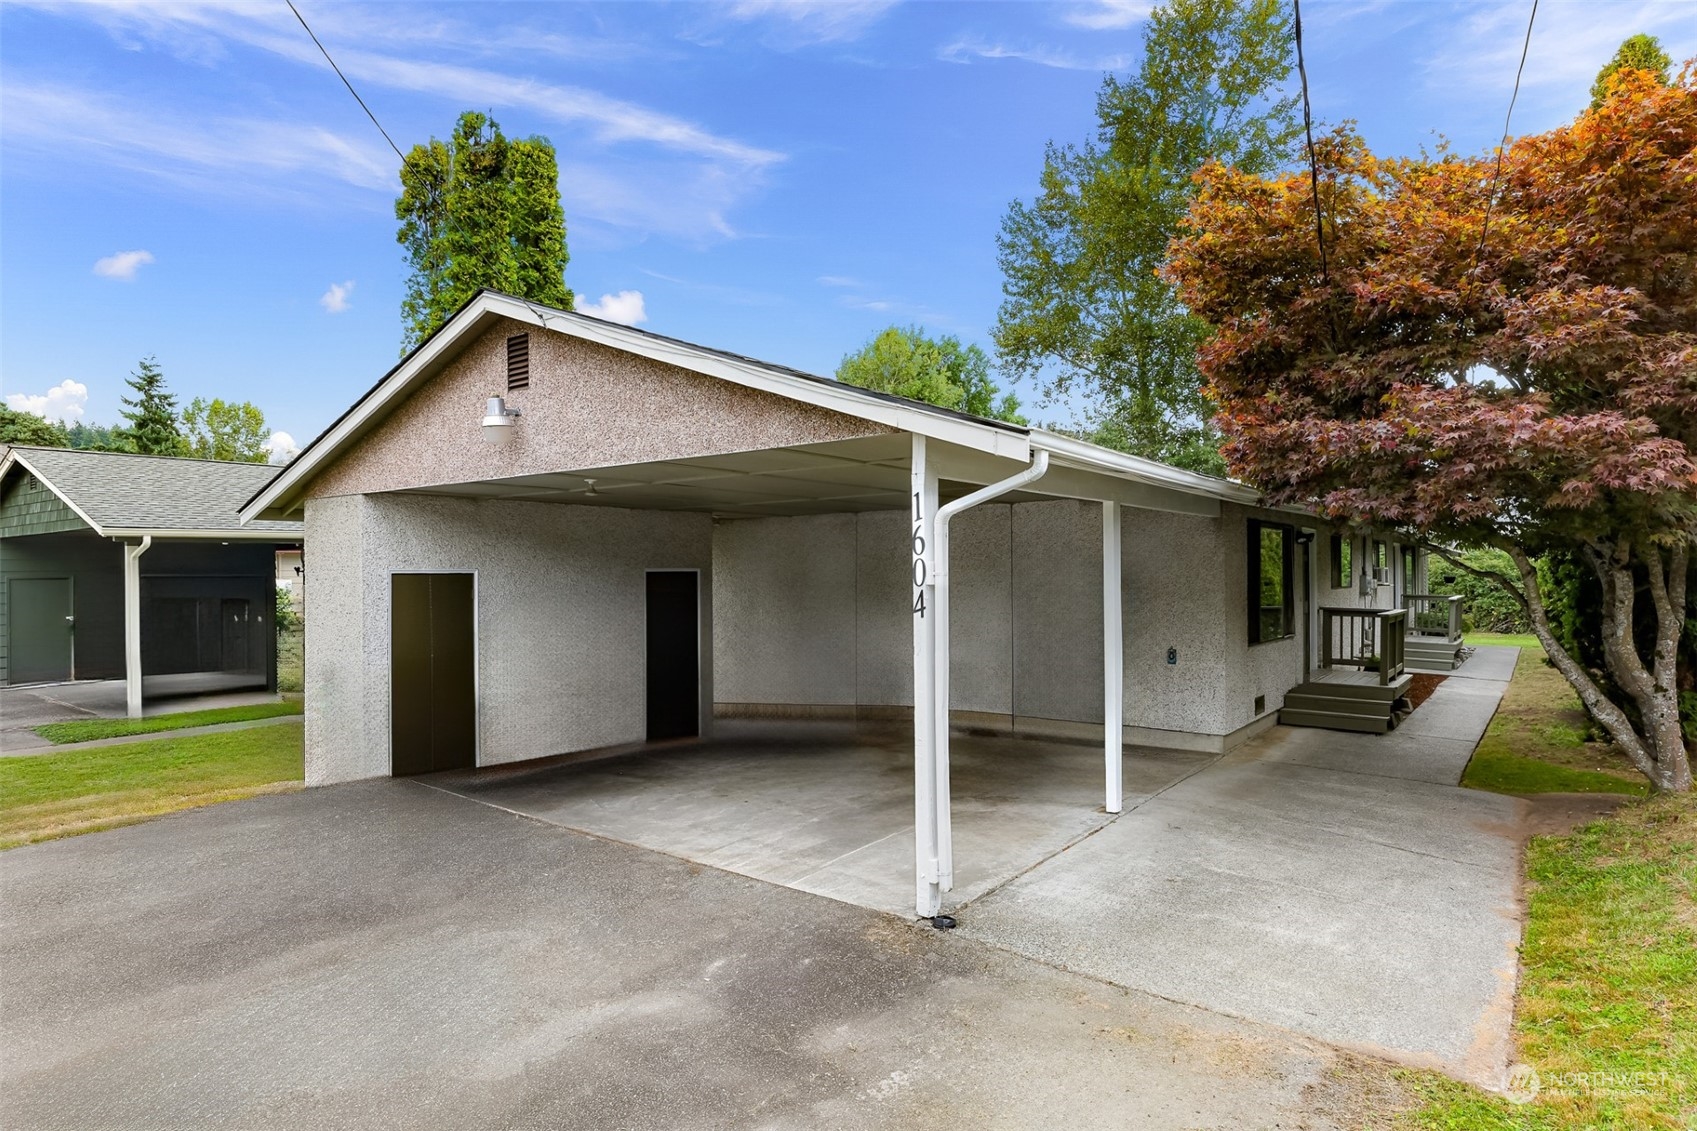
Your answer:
<point x="1430" y="615"/>
<point x="1369" y="639"/>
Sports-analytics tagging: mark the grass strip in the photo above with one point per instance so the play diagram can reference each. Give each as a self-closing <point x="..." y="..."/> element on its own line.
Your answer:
<point x="88" y="730"/>
<point x="50" y="795"/>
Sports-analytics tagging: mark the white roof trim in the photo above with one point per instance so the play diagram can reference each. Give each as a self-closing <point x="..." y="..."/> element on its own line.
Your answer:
<point x="13" y="457"/>
<point x="240" y="534"/>
<point x="1078" y="453"/>
<point x="1010" y="443"/>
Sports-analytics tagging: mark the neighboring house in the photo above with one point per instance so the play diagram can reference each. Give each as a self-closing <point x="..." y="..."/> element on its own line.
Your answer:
<point x="116" y="566"/>
<point x="670" y="533"/>
<point x="291" y="577"/>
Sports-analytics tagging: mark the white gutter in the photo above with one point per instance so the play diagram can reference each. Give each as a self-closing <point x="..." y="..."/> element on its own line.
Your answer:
<point x="1079" y="453"/>
<point x="245" y="534"/>
<point x="940" y="658"/>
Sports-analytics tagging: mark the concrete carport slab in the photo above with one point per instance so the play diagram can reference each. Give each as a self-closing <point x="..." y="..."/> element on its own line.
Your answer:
<point x="827" y="807"/>
<point x="1340" y="885"/>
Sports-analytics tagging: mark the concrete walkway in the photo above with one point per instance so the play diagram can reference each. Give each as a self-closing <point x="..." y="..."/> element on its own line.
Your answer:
<point x="1340" y="885"/>
<point x="24" y="708"/>
<point x="130" y="739"/>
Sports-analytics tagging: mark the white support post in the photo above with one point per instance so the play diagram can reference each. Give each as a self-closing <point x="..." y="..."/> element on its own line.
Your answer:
<point x="928" y="898"/>
<point x="132" y="625"/>
<point x="1113" y="659"/>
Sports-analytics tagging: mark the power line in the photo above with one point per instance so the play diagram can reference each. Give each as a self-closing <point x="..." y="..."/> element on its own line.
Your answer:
<point x="1496" y="178"/>
<point x="345" y="82"/>
<point x="1313" y="162"/>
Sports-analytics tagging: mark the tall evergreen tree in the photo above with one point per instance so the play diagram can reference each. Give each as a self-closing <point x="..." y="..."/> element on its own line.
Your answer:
<point x="479" y="210"/>
<point x="1084" y="311"/>
<point x="1636" y="53"/>
<point x="152" y="415"/>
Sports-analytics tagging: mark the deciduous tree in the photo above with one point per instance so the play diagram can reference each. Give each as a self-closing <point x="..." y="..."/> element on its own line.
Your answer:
<point x="18" y="427"/>
<point x="479" y="210"/>
<point x="904" y="361"/>
<point x="1085" y="312"/>
<point x="1530" y="384"/>
<point x="225" y="430"/>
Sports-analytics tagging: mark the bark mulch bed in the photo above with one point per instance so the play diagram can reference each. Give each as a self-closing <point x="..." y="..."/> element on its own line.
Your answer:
<point x="1421" y="689"/>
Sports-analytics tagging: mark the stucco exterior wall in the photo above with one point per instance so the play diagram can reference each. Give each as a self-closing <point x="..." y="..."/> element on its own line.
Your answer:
<point x="797" y="627"/>
<point x="587" y="406"/>
<point x="561" y="602"/>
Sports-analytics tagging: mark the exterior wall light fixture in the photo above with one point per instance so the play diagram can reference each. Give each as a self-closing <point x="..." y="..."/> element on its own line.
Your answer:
<point x="498" y="422"/>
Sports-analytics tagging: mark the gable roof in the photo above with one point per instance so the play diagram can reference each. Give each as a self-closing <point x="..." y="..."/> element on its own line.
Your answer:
<point x="120" y="495"/>
<point x="284" y="494"/>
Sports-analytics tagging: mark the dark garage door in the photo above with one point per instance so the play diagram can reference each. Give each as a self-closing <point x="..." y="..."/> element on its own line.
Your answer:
<point x="432" y="673"/>
<point x="39" y="636"/>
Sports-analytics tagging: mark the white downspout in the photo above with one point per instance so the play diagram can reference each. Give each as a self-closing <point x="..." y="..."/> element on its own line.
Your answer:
<point x="1113" y="661"/>
<point x="132" y="624"/>
<point x="941" y="652"/>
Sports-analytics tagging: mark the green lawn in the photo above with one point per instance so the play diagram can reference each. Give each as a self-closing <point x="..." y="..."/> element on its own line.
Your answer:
<point x="87" y="730"/>
<point x="1513" y="639"/>
<point x="44" y="796"/>
<point x="1537" y="741"/>
<point x="1607" y="1007"/>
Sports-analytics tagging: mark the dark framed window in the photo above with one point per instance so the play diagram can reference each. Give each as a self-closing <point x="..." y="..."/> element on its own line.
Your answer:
<point x="1343" y="558"/>
<point x="1272" y="597"/>
<point x="1410" y="570"/>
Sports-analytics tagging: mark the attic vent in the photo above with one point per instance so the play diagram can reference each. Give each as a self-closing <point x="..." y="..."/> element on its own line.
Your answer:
<point x="518" y="362"/>
<point x="1260" y="705"/>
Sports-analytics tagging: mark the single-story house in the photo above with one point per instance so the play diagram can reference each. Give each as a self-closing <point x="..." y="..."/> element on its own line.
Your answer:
<point x="543" y="533"/>
<point x="118" y="566"/>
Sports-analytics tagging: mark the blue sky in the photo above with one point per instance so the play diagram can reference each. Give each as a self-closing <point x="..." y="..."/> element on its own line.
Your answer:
<point x="779" y="178"/>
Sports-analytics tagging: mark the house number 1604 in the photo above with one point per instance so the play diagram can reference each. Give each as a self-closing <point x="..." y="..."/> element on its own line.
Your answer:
<point x="919" y="575"/>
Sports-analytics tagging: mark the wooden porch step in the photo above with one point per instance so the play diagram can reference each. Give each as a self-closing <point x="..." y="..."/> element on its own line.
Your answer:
<point x="1335" y="720"/>
<point x="1301" y="700"/>
<point x="1364" y="686"/>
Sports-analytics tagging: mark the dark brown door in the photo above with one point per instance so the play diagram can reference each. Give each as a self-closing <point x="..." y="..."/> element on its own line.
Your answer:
<point x="432" y="673"/>
<point x="674" y="655"/>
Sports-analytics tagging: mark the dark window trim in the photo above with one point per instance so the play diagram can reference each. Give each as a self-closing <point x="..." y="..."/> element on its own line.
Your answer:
<point x="1341" y="571"/>
<point x="1252" y="548"/>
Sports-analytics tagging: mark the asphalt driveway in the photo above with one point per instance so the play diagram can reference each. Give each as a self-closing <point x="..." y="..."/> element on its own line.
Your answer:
<point x="386" y="954"/>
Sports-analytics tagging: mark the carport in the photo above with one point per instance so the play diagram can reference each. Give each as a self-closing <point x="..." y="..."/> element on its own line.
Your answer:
<point x="478" y="605"/>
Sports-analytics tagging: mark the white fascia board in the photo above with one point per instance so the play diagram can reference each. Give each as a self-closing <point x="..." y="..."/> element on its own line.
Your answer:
<point x="241" y="534"/>
<point x="13" y="457"/>
<point x="1093" y="458"/>
<point x="1012" y="444"/>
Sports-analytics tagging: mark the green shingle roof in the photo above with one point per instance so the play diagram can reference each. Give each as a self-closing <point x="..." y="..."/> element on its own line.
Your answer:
<point x="148" y="494"/>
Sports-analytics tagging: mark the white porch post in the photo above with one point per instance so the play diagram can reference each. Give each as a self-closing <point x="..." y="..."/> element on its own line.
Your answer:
<point x="928" y="898"/>
<point x="1113" y="658"/>
<point x="132" y="625"/>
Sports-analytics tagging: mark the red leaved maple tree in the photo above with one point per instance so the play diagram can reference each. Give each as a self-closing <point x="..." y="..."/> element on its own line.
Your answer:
<point x="1484" y="360"/>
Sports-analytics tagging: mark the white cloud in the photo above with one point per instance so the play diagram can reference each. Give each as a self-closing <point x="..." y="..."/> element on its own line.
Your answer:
<point x="335" y="300"/>
<point x="246" y="153"/>
<point x="625" y="308"/>
<point x="281" y="448"/>
<point x="65" y="402"/>
<point x="123" y="265"/>
<point x="966" y="49"/>
<point x="839" y="281"/>
<point x="814" y="21"/>
<point x="1110" y="15"/>
<point x="653" y="171"/>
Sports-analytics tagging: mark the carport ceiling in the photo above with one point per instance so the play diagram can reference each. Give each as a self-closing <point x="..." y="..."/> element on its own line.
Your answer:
<point x="866" y="474"/>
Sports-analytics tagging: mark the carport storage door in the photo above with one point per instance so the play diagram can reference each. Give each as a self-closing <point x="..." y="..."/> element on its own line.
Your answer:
<point x="674" y="654"/>
<point x="432" y="673"/>
<point x="39" y="609"/>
